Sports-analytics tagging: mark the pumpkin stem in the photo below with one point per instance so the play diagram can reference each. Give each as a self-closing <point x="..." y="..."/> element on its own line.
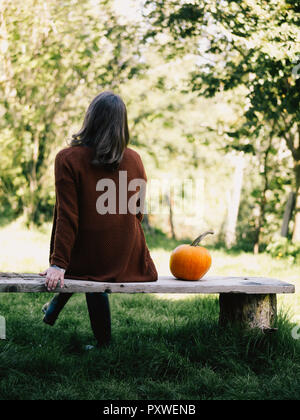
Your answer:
<point x="199" y="239"/>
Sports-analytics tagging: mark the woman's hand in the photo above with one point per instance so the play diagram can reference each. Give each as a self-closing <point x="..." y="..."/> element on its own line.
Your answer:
<point x="53" y="277"/>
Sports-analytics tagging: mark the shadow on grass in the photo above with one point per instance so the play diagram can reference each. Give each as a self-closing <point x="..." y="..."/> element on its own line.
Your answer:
<point x="161" y="349"/>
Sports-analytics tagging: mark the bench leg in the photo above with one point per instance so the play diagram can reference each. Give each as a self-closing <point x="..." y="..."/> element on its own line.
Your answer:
<point x="2" y="328"/>
<point x="252" y="311"/>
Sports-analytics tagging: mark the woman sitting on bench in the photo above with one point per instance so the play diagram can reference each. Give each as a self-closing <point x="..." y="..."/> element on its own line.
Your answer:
<point x="97" y="233"/>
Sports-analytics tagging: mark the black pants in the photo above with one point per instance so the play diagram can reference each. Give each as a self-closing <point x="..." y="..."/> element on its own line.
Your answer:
<point x="99" y="312"/>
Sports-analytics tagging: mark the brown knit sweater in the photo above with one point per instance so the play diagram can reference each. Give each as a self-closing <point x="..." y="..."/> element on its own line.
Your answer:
<point x="90" y="245"/>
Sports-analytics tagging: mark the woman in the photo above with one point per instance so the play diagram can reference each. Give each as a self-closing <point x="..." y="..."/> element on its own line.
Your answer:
<point x="97" y="233"/>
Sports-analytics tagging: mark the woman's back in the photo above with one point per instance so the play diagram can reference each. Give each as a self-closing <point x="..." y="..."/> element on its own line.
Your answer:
<point x="96" y="235"/>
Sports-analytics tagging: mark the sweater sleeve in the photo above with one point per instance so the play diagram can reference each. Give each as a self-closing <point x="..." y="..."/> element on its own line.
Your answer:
<point x="66" y="212"/>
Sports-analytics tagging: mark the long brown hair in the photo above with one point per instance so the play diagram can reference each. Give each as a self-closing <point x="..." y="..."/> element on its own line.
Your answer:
<point x="105" y="128"/>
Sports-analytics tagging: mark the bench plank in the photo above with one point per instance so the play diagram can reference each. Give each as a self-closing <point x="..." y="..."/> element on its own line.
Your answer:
<point x="33" y="283"/>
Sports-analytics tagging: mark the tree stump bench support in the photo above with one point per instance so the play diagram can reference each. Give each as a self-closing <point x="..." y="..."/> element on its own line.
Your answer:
<point x="254" y="311"/>
<point x="248" y="301"/>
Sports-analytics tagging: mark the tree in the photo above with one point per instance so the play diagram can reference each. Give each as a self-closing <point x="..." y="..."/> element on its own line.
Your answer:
<point x="248" y="44"/>
<point x="289" y="208"/>
<point x="54" y="58"/>
<point x="234" y="201"/>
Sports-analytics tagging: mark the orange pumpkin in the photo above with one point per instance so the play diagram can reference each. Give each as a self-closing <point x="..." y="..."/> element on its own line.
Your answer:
<point x="190" y="262"/>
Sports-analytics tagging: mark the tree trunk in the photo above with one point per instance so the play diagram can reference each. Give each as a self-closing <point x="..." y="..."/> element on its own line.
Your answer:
<point x="292" y="138"/>
<point x="289" y="208"/>
<point x="30" y="204"/>
<point x="252" y="311"/>
<point x="169" y="200"/>
<point x="296" y="232"/>
<point x="234" y="205"/>
<point x="263" y="200"/>
<point x="145" y="222"/>
<point x="259" y="223"/>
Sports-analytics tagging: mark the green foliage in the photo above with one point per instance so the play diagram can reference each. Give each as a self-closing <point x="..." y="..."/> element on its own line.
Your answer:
<point x="54" y="58"/>
<point x="156" y="239"/>
<point x="238" y="56"/>
<point x="284" y="248"/>
<point x="250" y="49"/>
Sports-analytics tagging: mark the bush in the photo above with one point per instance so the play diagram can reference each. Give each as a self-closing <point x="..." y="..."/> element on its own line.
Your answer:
<point x="284" y="248"/>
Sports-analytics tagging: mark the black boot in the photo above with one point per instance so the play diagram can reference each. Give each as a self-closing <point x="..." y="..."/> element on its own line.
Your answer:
<point x="99" y="312"/>
<point x="53" y="308"/>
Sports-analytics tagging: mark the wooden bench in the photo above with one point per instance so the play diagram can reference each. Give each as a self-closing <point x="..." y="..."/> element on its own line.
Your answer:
<point x="249" y="301"/>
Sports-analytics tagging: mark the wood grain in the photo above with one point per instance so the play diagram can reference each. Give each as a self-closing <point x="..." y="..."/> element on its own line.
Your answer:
<point x="33" y="283"/>
<point x="250" y="311"/>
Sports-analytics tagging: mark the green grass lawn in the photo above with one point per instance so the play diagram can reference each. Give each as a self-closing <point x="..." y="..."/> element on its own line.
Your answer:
<point x="164" y="346"/>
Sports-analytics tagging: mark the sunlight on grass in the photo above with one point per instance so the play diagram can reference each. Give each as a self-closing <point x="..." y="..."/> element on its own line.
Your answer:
<point x="24" y="250"/>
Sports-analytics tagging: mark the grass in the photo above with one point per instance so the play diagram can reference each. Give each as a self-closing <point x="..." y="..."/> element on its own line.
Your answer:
<point x="164" y="347"/>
